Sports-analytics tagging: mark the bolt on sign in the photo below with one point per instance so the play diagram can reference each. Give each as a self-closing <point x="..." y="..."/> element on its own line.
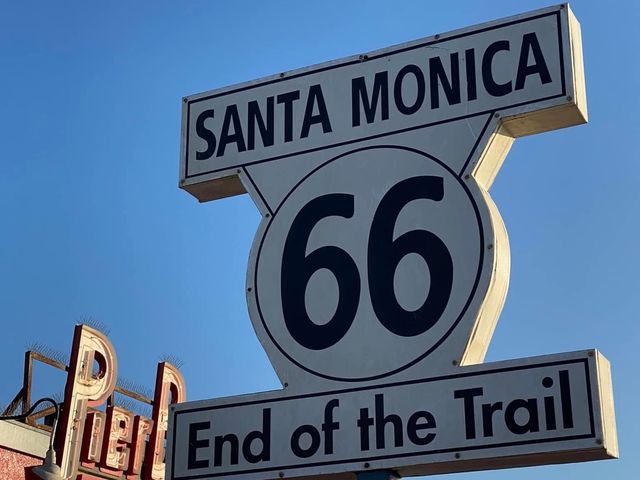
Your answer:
<point x="381" y="263"/>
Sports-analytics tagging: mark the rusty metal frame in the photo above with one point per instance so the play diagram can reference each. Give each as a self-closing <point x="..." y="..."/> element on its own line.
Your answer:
<point x="23" y="397"/>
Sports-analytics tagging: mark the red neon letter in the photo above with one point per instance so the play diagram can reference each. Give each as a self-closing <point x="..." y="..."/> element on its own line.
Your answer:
<point x="170" y="388"/>
<point x="84" y="388"/>
<point x="115" y="451"/>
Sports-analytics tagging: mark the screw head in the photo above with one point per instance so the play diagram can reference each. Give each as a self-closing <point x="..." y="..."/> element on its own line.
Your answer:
<point x="366" y="465"/>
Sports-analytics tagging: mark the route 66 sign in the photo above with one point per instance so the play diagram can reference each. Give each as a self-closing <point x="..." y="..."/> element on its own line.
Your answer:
<point x="381" y="258"/>
<point x="372" y="274"/>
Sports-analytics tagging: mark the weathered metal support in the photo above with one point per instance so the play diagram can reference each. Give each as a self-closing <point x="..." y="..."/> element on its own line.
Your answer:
<point x="48" y="361"/>
<point x="12" y="407"/>
<point x="23" y="397"/>
<point x="134" y="395"/>
<point x="26" y="385"/>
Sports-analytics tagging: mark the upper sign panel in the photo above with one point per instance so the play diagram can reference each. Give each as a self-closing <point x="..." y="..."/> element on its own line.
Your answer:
<point x="514" y="67"/>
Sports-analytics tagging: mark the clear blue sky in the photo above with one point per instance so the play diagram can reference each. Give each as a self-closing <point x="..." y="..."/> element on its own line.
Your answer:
<point x="92" y="222"/>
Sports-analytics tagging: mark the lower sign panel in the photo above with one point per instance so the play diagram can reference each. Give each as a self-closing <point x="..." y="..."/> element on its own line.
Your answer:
<point x="533" y="411"/>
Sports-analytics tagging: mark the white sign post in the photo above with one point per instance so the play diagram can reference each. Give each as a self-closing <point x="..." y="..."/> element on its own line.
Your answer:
<point x="381" y="264"/>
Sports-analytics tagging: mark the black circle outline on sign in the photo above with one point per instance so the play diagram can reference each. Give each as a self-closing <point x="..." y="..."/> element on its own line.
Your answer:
<point x="455" y="323"/>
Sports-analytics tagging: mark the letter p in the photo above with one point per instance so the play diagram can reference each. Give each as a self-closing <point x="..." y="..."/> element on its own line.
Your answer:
<point x="84" y="387"/>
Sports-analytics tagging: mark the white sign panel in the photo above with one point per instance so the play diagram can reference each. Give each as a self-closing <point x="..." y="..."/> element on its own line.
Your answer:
<point x="373" y="262"/>
<point x="539" y="410"/>
<point x="514" y="66"/>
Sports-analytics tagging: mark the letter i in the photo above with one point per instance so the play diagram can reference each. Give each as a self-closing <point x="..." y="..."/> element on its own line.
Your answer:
<point x="549" y="405"/>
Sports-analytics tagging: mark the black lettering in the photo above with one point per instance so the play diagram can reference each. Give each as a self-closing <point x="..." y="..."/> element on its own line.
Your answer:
<point x="469" y="416"/>
<point x="297" y="450"/>
<point x="530" y="44"/>
<point x="231" y="117"/>
<point x="492" y="87"/>
<point x="550" y="413"/>
<point x="263" y="436"/>
<point x="205" y="134"/>
<point x="219" y="442"/>
<point x="397" y="89"/>
<point x="426" y="422"/>
<point x="370" y="104"/>
<point x="565" y="399"/>
<point x="255" y="117"/>
<point x="364" y="422"/>
<point x="329" y="426"/>
<point x="315" y="98"/>
<point x="532" y="423"/>
<point x="437" y="76"/>
<point x="488" y="409"/>
<point x="549" y="405"/>
<point x="382" y="421"/>
<point x="195" y="444"/>
<point x="470" y="61"/>
<point x="287" y="99"/>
